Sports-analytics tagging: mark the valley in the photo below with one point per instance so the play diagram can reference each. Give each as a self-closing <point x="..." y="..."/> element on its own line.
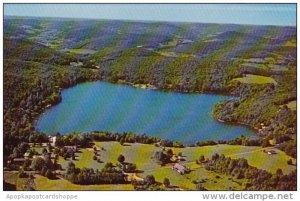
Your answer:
<point x="255" y="65"/>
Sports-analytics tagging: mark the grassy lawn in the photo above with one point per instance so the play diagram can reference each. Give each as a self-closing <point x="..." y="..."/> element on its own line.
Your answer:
<point x="43" y="183"/>
<point x="83" y="159"/>
<point x="135" y="153"/>
<point x="256" y="79"/>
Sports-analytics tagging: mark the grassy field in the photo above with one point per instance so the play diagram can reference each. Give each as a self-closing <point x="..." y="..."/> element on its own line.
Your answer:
<point x="43" y="183"/>
<point x="136" y="153"/>
<point x="255" y="79"/>
<point x="83" y="159"/>
<point x="142" y="156"/>
<point x="213" y="181"/>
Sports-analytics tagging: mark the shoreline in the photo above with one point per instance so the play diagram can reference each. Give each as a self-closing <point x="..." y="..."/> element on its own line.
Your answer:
<point x="255" y="129"/>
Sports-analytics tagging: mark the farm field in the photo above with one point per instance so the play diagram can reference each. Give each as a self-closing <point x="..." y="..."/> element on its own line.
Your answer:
<point x="44" y="183"/>
<point x="255" y="79"/>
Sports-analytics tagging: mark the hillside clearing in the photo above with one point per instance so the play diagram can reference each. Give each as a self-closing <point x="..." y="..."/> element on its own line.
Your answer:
<point x="255" y="79"/>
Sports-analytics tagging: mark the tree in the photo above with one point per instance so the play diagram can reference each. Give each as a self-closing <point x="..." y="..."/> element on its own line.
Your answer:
<point x="55" y="164"/>
<point x="65" y="155"/>
<point x="73" y="156"/>
<point x="122" y="141"/>
<point x="170" y="152"/>
<point x="199" y="187"/>
<point x="215" y="157"/>
<point x="240" y="175"/>
<point x="265" y="143"/>
<point x="26" y="164"/>
<point x="37" y="164"/>
<point x="32" y="152"/>
<point x="71" y="165"/>
<point x="201" y="159"/>
<point x="15" y="153"/>
<point x="150" y="180"/>
<point x="44" y="170"/>
<point x="49" y="174"/>
<point x="121" y="159"/>
<point x="56" y="150"/>
<point x="290" y="162"/>
<point x="23" y="147"/>
<point x="166" y="182"/>
<point x="22" y="173"/>
<point x="32" y="138"/>
<point x="243" y="163"/>
<point x="44" y="151"/>
<point x="232" y="164"/>
<point x="48" y="162"/>
<point x="162" y="157"/>
<point x="71" y="168"/>
<point x="279" y="172"/>
<point x="130" y="167"/>
<point x="108" y="165"/>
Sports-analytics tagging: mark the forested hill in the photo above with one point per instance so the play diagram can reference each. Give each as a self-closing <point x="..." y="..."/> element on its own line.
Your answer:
<point x="255" y="63"/>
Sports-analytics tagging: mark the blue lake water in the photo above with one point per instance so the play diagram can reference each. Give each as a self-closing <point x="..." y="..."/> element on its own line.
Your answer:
<point x="118" y="108"/>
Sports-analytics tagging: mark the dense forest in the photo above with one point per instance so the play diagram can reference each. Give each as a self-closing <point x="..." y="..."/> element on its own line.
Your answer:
<point x="181" y="57"/>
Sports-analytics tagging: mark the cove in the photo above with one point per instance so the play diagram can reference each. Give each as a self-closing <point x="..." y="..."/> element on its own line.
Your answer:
<point x="110" y="107"/>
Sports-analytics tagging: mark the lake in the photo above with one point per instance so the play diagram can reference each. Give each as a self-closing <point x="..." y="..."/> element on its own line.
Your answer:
<point x="104" y="106"/>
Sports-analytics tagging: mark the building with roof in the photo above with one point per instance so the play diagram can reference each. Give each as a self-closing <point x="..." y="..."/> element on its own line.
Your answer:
<point x="180" y="168"/>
